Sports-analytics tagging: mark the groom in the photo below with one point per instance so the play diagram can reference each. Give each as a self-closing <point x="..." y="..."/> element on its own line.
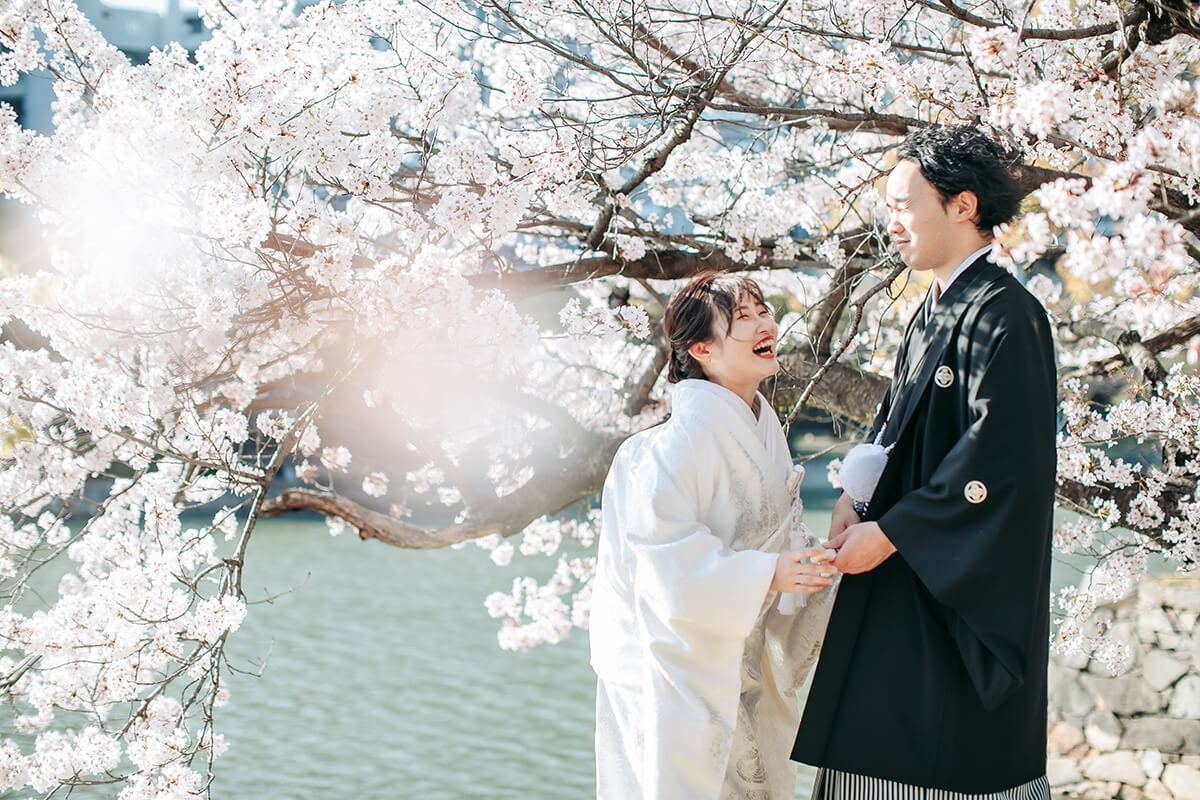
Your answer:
<point x="933" y="671"/>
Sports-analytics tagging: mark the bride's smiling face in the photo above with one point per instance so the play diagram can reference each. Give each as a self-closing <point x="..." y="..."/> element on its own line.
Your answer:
<point x="742" y="357"/>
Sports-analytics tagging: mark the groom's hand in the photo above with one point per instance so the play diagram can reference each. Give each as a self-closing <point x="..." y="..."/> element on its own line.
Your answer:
<point x="843" y="517"/>
<point x="864" y="547"/>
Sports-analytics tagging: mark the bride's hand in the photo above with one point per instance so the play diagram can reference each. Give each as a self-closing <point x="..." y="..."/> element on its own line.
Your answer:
<point x="808" y="570"/>
<point x="843" y="517"/>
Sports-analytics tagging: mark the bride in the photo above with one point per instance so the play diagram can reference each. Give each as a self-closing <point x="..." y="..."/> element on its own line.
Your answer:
<point x="698" y="655"/>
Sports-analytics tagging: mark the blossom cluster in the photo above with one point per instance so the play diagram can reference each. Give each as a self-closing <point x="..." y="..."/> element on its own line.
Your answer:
<point x="1161" y="516"/>
<point x="601" y="321"/>
<point x="534" y="613"/>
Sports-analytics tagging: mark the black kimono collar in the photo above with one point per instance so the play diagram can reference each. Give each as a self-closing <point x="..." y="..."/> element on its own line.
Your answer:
<point x="925" y="349"/>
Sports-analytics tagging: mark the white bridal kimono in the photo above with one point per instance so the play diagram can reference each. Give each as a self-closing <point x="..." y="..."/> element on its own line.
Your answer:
<point x="698" y="666"/>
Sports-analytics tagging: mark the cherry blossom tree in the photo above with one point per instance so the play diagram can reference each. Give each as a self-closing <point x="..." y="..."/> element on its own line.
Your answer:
<point x="400" y="263"/>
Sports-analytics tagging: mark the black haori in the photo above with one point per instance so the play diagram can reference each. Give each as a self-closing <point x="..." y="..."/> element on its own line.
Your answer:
<point x="933" y="669"/>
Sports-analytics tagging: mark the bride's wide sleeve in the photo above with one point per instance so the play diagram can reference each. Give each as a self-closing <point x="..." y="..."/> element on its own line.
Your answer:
<point x="690" y="586"/>
<point x="696" y="602"/>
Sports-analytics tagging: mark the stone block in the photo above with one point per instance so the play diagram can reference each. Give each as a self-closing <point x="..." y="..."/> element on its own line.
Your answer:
<point x="1151" y="621"/>
<point x="1090" y="790"/>
<point x="1069" y="699"/>
<point x="1102" y="731"/>
<point x="1151" y="594"/>
<point x="1184" y="596"/>
<point x="1076" y="659"/>
<point x="1128" y="694"/>
<point x="1164" y="734"/>
<point x="1181" y="642"/>
<point x="1185" y="622"/>
<point x="1162" y="669"/>
<point x="1121" y="766"/>
<point x="1154" y="790"/>
<point x="1125" y="630"/>
<point x="1182" y="781"/>
<point x="1063" y="737"/>
<point x="1185" y="700"/>
<point x="1061" y="771"/>
<point x="1152" y="763"/>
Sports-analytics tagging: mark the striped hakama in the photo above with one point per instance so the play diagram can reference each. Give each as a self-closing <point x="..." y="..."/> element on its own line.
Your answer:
<point x="832" y="784"/>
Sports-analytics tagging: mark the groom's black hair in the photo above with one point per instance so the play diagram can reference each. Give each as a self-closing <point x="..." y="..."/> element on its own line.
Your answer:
<point x="965" y="159"/>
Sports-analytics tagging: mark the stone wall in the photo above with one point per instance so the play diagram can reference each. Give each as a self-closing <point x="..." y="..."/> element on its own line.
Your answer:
<point x="1137" y="735"/>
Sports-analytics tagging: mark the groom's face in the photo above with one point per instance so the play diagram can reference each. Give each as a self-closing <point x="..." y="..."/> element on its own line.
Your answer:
<point x="918" y="222"/>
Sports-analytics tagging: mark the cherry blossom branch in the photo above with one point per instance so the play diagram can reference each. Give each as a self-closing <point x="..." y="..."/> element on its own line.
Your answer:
<point x="1085" y="499"/>
<point x="1136" y="15"/>
<point x="1169" y="18"/>
<point x="1175" y="335"/>
<point x="1169" y="202"/>
<point x="842" y="390"/>
<point x="555" y="485"/>
<point x="16" y="673"/>
<point x="568" y="466"/>
<point x="841" y="121"/>
<point x="1134" y="351"/>
<point x="697" y="104"/>
<point x="858" y="310"/>
<point x="823" y="326"/>
<point x="639" y="389"/>
<point x="374" y="525"/>
<point x="652" y="165"/>
<point x="655" y="265"/>
<point x="743" y="103"/>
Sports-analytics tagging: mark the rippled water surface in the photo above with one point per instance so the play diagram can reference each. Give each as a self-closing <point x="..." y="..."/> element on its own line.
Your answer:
<point x="383" y="679"/>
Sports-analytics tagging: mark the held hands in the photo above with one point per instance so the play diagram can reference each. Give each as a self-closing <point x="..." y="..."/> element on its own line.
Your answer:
<point x="804" y="570"/>
<point x="861" y="547"/>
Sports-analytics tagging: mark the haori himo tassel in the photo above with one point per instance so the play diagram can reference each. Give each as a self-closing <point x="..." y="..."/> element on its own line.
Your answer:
<point x="861" y="470"/>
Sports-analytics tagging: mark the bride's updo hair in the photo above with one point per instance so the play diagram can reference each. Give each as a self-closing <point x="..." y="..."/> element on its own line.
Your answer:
<point x="698" y="313"/>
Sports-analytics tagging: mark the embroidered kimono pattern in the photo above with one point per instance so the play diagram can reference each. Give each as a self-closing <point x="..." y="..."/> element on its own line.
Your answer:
<point x="698" y="666"/>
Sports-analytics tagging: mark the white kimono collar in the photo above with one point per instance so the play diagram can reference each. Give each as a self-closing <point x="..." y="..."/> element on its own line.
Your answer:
<point x="704" y="403"/>
<point x="692" y="393"/>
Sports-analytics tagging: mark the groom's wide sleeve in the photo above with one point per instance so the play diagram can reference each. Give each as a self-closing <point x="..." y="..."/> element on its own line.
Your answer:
<point x="977" y="534"/>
